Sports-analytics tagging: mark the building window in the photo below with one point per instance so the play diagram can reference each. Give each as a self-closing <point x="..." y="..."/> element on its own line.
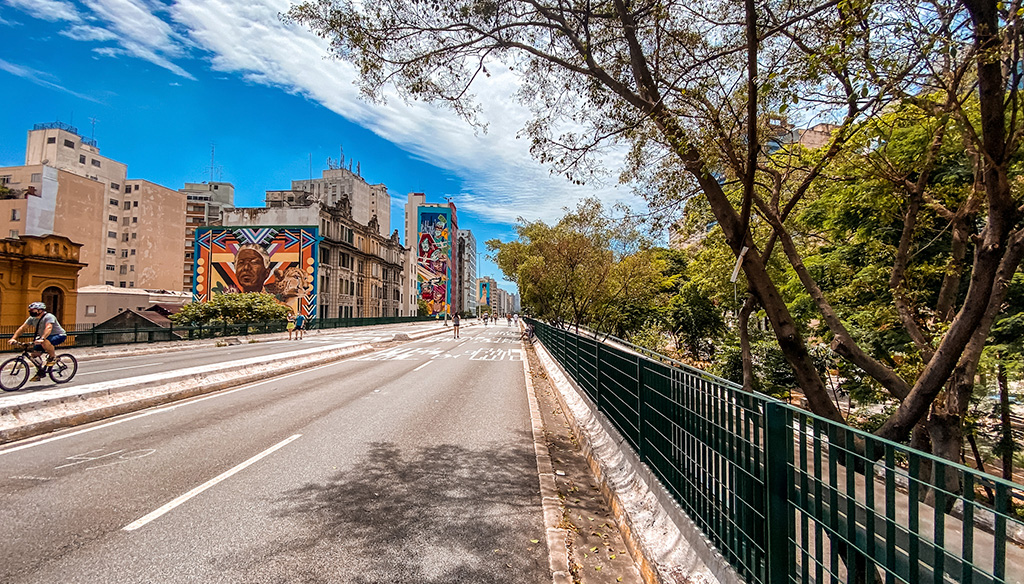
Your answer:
<point x="134" y="219"/>
<point x="124" y="253"/>
<point x="69" y="144"/>
<point x="95" y="163"/>
<point x="109" y="283"/>
<point x="133" y="252"/>
<point x="135" y="188"/>
<point x="131" y="268"/>
<point x="90" y="310"/>
<point x="5" y="179"/>
<point x="111" y="234"/>
<point x="81" y="159"/>
<point x="13" y="234"/>
<point x="114" y="202"/>
<point x="36" y="177"/>
<point x="133" y="237"/>
<point x="51" y="140"/>
<point x="15" y="214"/>
<point x="110" y="267"/>
<point x="124" y="269"/>
<point x="125" y="238"/>
<point x="111" y="251"/>
<point x="112" y="217"/>
<point x="127" y="205"/>
<point x="135" y="203"/>
<point x="125" y="222"/>
<point x="124" y="284"/>
<point x="115" y="186"/>
<point x="131" y="284"/>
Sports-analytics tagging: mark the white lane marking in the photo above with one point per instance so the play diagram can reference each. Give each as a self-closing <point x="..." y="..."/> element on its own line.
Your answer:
<point x="228" y="474"/>
<point x="118" y="369"/>
<point x="422" y="366"/>
<point x="168" y="408"/>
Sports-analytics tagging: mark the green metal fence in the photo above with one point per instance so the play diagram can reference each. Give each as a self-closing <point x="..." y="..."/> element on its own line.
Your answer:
<point x="91" y="336"/>
<point x="787" y="496"/>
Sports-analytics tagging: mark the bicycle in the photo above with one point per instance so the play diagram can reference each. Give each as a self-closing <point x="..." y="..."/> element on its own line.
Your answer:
<point x="14" y="371"/>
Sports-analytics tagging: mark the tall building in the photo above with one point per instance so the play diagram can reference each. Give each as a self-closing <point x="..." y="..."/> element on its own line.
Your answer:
<point x="367" y="201"/>
<point x="487" y="294"/>
<point x="204" y="202"/>
<point x="431" y="230"/>
<point x="466" y="260"/>
<point x="131" y="231"/>
<point x="361" y="273"/>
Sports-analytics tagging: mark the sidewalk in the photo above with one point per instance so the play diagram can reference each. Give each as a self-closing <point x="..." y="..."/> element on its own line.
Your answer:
<point x="31" y="414"/>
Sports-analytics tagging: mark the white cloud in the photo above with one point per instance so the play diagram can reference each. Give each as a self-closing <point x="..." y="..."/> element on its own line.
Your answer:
<point x="40" y="78"/>
<point x="248" y="38"/>
<point x="50" y="10"/>
<point x="87" y="33"/>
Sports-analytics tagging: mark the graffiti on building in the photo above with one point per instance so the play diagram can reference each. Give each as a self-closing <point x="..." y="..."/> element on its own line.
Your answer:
<point x="278" y="260"/>
<point x="434" y="271"/>
<point x="485" y="293"/>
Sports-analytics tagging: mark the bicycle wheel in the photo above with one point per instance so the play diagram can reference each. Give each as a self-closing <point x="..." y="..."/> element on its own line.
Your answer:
<point x="14" y="374"/>
<point x="65" y="368"/>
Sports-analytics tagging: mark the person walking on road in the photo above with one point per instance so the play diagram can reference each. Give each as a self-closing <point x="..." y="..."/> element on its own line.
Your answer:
<point x="300" y="325"/>
<point x="455" y="324"/>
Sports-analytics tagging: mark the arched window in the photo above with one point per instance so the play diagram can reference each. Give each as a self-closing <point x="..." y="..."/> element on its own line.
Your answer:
<point x="53" y="298"/>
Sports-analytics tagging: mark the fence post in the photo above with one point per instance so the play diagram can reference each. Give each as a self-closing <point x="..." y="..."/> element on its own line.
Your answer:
<point x="136" y="333"/>
<point x="597" y="374"/>
<point x="778" y="446"/>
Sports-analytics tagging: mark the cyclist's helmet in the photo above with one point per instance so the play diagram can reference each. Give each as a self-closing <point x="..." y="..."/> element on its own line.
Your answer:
<point x="37" y="305"/>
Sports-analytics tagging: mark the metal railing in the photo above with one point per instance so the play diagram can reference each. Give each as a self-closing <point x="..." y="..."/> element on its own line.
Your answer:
<point x="92" y="336"/>
<point x="787" y="496"/>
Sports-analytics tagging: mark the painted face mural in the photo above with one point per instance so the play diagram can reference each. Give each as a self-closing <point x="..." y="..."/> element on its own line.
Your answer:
<point x="277" y="260"/>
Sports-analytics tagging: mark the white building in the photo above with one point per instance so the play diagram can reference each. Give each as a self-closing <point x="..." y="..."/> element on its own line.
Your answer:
<point x="465" y="255"/>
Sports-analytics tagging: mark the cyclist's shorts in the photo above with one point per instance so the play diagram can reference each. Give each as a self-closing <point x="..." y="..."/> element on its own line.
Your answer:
<point x="54" y="340"/>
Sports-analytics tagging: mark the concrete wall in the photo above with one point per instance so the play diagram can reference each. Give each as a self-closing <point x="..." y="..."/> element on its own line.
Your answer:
<point x="156" y="231"/>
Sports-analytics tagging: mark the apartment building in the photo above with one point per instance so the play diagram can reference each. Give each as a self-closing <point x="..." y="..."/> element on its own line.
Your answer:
<point x="431" y="231"/>
<point x="361" y="273"/>
<point x="466" y="258"/>
<point x="131" y="231"/>
<point x="367" y="201"/>
<point x="204" y="203"/>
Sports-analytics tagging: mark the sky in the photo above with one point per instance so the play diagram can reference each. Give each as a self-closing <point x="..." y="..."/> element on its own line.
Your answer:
<point x="194" y="90"/>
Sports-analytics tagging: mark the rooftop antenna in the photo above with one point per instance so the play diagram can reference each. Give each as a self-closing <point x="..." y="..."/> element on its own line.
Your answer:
<point x="93" y="122"/>
<point x="213" y="150"/>
<point x="310" y="172"/>
<point x="359" y="171"/>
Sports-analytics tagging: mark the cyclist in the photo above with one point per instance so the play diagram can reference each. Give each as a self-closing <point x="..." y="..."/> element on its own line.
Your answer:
<point x="48" y="333"/>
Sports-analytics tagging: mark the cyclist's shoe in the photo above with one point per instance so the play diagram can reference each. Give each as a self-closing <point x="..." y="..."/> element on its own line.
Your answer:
<point x="51" y="361"/>
<point x="37" y="377"/>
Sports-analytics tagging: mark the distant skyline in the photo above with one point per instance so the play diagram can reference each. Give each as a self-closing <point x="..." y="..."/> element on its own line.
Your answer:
<point x="158" y="84"/>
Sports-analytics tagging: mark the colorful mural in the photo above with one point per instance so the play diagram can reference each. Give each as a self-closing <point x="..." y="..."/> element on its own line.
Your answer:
<point x="434" y="266"/>
<point x="278" y="260"/>
<point x="485" y="293"/>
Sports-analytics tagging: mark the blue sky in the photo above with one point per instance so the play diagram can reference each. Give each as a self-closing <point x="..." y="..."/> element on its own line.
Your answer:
<point x="165" y="80"/>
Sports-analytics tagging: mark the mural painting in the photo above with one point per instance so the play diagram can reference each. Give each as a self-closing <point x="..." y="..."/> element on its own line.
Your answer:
<point x="485" y="293"/>
<point x="279" y="260"/>
<point x="434" y="272"/>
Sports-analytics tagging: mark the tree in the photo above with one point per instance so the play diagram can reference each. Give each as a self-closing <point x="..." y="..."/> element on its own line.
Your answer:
<point x="694" y="88"/>
<point x="232" y="309"/>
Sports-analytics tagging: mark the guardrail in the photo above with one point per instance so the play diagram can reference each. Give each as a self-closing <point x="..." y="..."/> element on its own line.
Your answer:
<point x="787" y="496"/>
<point x="90" y="336"/>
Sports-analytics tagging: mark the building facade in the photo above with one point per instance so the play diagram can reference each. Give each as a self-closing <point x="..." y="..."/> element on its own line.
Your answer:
<point x="100" y="303"/>
<point x="367" y="201"/>
<point x="203" y="205"/>
<point x="466" y="261"/>
<point x="39" y="268"/>
<point x="361" y="273"/>
<point x="131" y="231"/>
<point x="432" y="232"/>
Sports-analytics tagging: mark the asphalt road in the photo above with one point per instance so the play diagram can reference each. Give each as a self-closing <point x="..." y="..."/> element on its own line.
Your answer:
<point x="414" y="464"/>
<point x="91" y="370"/>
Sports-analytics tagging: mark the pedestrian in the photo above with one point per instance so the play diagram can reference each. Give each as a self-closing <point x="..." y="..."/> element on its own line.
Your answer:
<point x="291" y="325"/>
<point x="300" y="325"/>
<point x="455" y="324"/>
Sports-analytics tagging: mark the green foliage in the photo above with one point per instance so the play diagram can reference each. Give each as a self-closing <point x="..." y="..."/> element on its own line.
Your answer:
<point x="232" y="309"/>
<point x="421" y="307"/>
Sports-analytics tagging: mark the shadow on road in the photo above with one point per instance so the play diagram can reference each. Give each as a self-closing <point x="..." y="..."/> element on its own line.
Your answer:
<point x="435" y="514"/>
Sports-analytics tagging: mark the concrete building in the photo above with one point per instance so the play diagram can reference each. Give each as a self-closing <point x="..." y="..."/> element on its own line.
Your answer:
<point x="131" y="231"/>
<point x="431" y="231"/>
<point x="367" y="201"/>
<point x="204" y="203"/>
<point x="362" y="273"/>
<point x="466" y="259"/>
<point x="97" y="304"/>
<point x="39" y="268"/>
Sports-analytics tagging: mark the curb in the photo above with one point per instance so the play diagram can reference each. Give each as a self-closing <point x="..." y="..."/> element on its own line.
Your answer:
<point x="558" y="554"/>
<point x="30" y="415"/>
<point x="665" y="543"/>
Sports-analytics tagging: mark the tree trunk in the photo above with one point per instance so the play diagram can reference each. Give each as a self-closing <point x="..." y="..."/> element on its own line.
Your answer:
<point x="1006" y="438"/>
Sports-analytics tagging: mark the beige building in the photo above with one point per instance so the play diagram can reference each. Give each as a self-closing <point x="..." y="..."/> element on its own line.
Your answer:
<point x="367" y="201"/>
<point x="131" y="231"/>
<point x="361" y="271"/>
<point x="97" y="304"/>
<point x="204" y="203"/>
